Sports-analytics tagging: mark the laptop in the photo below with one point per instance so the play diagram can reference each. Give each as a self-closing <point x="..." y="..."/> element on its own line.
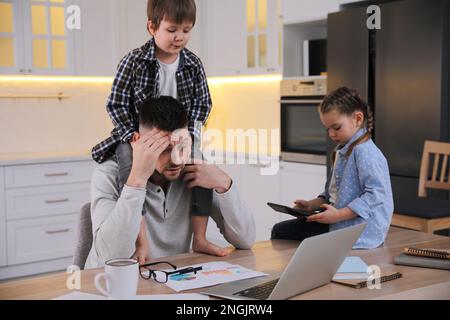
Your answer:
<point x="313" y="264"/>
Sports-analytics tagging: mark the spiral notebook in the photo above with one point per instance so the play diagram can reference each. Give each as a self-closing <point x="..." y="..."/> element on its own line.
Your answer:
<point x="428" y="252"/>
<point x="358" y="283"/>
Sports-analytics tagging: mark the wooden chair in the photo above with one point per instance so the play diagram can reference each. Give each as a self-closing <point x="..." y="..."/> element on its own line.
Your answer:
<point x="422" y="213"/>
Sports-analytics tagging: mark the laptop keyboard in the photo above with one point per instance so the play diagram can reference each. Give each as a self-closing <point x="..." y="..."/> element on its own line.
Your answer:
<point x="261" y="291"/>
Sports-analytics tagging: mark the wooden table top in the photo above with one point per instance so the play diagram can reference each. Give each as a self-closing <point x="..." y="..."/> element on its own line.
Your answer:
<point x="416" y="283"/>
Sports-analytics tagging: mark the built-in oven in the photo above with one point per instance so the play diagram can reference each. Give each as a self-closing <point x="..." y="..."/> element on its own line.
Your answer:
<point x="303" y="137"/>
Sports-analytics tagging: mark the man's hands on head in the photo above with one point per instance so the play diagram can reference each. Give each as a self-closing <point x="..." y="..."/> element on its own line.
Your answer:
<point x="146" y="150"/>
<point x="207" y="176"/>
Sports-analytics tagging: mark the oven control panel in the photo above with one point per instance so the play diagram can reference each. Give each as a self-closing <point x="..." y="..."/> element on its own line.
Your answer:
<point x="303" y="87"/>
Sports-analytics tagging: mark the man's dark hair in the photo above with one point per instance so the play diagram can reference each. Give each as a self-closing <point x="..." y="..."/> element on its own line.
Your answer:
<point x="164" y="113"/>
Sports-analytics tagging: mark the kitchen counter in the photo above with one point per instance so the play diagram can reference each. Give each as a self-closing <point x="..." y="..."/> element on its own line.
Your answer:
<point x="82" y="155"/>
<point x="43" y="157"/>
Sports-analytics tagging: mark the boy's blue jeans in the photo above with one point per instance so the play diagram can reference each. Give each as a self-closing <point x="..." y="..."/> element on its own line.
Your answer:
<point x="201" y="199"/>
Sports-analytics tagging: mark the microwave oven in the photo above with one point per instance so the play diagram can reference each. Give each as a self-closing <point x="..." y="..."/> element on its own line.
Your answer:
<point x="315" y="57"/>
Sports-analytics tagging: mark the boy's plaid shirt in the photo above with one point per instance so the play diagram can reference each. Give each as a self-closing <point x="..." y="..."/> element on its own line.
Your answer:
<point x="137" y="78"/>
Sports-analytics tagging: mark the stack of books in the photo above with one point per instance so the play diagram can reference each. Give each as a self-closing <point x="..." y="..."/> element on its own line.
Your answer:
<point x="425" y="258"/>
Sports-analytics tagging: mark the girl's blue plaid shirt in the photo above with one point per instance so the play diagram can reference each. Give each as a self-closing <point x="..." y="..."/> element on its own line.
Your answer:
<point x="137" y="78"/>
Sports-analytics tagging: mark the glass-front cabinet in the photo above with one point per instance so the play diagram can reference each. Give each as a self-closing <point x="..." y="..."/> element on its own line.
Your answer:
<point x="243" y="37"/>
<point x="11" y="37"/>
<point x="263" y="40"/>
<point x="34" y="38"/>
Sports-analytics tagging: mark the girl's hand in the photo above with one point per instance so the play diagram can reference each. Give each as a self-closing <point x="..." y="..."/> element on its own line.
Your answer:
<point x="329" y="216"/>
<point x="303" y="205"/>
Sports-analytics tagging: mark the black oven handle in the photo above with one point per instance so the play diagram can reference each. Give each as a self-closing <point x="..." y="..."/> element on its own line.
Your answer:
<point x="300" y="101"/>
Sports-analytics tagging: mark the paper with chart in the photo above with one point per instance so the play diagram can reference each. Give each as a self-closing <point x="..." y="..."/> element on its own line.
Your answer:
<point x="212" y="273"/>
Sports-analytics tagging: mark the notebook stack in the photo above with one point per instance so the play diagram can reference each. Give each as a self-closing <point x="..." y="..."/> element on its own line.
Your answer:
<point x="354" y="273"/>
<point x="424" y="258"/>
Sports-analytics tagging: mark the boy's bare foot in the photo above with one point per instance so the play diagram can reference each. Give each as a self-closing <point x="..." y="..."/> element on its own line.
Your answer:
<point x="204" y="246"/>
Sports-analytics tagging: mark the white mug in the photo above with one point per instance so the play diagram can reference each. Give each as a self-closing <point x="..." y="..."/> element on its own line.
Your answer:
<point x="121" y="277"/>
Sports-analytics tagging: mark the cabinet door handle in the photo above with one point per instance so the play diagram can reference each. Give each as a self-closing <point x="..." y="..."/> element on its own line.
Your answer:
<point x="258" y="165"/>
<point x="57" y="200"/>
<point x="57" y="231"/>
<point x="56" y="174"/>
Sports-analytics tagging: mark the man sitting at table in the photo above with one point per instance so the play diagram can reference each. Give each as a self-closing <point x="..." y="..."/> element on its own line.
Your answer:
<point x="160" y="182"/>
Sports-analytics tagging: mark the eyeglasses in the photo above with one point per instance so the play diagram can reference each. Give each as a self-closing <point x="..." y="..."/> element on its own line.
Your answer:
<point x="162" y="276"/>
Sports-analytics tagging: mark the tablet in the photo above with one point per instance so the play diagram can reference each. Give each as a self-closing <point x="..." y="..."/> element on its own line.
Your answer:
<point x="293" y="211"/>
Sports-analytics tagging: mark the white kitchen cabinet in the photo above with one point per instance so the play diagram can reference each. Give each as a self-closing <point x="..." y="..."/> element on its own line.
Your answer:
<point x="33" y="240"/>
<point x="45" y="201"/>
<point x="40" y="202"/>
<point x="110" y="30"/>
<point x="132" y="22"/>
<point x="298" y="11"/>
<point x="3" y="260"/>
<point x="46" y="174"/>
<point x="34" y="38"/>
<point x="97" y="43"/>
<point x="123" y="28"/>
<point x="12" y="60"/>
<point x="257" y="190"/>
<point x="225" y="37"/>
<point x="292" y="181"/>
<point x="242" y="37"/>
<point x="263" y="36"/>
<point x="300" y="181"/>
<point x="196" y="43"/>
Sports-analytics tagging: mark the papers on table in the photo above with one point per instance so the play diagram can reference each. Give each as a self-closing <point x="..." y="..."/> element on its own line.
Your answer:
<point x="78" y="295"/>
<point x="352" y="268"/>
<point x="212" y="273"/>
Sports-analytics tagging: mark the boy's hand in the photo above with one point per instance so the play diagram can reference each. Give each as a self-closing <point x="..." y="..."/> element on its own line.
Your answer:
<point x="329" y="216"/>
<point x="146" y="151"/>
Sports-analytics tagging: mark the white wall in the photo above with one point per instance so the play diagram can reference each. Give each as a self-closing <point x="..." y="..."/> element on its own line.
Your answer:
<point x="81" y="121"/>
<point x="245" y="106"/>
<point x="39" y="125"/>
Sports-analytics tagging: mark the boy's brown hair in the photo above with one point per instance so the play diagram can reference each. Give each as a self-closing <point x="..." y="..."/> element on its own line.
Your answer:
<point x="177" y="11"/>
